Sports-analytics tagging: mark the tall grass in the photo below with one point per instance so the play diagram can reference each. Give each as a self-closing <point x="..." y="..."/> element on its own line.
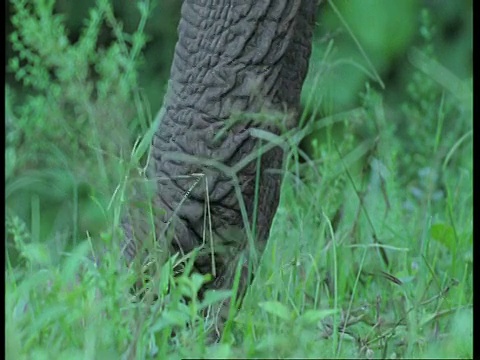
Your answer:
<point x="370" y="253"/>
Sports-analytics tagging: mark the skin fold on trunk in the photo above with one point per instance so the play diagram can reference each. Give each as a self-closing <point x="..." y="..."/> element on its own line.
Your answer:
<point x="233" y="58"/>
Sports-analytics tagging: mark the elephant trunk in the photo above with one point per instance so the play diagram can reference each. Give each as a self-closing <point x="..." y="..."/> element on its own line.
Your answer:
<point x="232" y="57"/>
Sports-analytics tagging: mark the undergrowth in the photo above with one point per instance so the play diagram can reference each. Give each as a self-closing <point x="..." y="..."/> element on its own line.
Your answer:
<point x="370" y="253"/>
<point x="70" y="130"/>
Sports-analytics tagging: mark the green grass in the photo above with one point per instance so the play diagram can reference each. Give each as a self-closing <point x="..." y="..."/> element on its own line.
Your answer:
<point x="370" y="254"/>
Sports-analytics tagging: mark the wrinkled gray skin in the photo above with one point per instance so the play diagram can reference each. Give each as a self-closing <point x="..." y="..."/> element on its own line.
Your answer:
<point x="232" y="56"/>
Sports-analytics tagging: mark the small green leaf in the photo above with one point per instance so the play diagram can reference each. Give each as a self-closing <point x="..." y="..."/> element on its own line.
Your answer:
<point x="190" y="285"/>
<point x="314" y="316"/>
<point x="276" y="308"/>
<point x="215" y="296"/>
<point x="170" y="318"/>
<point x="444" y="234"/>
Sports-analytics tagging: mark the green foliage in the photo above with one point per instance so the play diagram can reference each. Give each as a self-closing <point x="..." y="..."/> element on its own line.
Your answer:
<point x="75" y="119"/>
<point x="77" y="93"/>
<point x="370" y="253"/>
